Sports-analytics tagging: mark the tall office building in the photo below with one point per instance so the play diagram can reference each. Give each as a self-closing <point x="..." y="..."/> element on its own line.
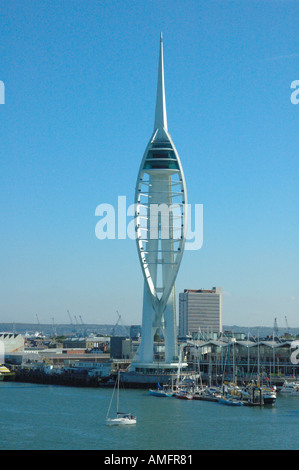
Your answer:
<point x="161" y="200"/>
<point x="200" y="310"/>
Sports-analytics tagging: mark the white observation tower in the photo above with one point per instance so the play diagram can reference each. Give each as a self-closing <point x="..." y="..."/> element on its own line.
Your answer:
<point x="160" y="204"/>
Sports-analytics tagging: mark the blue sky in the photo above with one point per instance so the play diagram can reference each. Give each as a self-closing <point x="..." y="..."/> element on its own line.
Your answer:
<point x="80" y="83"/>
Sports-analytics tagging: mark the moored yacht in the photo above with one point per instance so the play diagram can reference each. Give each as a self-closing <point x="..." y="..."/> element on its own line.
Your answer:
<point x="164" y="392"/>
<point x="289" y="387"/>
<point x="5" y="373"/>
<point x="269" y="395"/>
<point x="184" y="394"/>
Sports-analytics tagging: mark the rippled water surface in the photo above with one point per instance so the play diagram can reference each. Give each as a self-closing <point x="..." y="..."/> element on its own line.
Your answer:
<point x="54" y="417"/>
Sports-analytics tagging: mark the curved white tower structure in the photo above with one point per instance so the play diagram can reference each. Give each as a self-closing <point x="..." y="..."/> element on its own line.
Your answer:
<point x="161" y="202"/>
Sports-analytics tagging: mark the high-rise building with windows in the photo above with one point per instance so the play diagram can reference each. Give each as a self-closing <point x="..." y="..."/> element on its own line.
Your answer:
<point x="200" y="310"/>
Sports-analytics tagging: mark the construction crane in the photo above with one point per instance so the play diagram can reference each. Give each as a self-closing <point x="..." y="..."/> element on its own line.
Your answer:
<point x="71" y="320"/>
<point x="118" y="320"/>
<point x="77" y="328"/>
<point x="125" y="331"/>
<point x="38" y="324"/>
<point x="275" y="329"/>
<point x="70" y="317"/>
<point x="54" y="327"/>
<point x="39" y="332"/>
<point x="287" y="325"/>
<point x="84" y="330"/>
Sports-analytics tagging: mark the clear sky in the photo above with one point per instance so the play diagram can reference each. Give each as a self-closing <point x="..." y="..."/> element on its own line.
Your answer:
<point x="80" y="83"/>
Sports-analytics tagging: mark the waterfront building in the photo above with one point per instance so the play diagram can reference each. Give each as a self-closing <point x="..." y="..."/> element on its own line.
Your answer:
<point x="11" y="342"/>
<point x="87" y="343"/>
<point x="228" y="358"/>
<point x="200" y="311"/>
<point x="161" y="200"/>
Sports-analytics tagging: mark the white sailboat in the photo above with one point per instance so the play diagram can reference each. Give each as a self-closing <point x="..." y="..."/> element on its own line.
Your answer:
<point x="120" y="418"/>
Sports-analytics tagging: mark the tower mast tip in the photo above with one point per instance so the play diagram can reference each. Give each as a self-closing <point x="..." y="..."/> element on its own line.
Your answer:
<point x="160" y="113"/>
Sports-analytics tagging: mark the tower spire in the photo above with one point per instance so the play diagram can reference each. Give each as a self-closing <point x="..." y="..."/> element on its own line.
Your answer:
<point x="160" y="237"/>
<point x="160" y="114"/>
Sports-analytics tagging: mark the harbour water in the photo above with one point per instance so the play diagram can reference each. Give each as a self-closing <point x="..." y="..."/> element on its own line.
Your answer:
<point x="48" y="417"/>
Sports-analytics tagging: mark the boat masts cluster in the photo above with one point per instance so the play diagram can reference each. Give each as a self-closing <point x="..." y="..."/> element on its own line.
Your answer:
<point x="250" y="394"/>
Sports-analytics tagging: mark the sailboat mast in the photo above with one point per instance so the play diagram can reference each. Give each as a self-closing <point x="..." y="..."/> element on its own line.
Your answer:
<point x="111" y="400"/>
<point x="117" y="400"/>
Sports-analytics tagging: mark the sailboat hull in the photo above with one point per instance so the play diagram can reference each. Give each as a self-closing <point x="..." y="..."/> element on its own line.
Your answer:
<point x="183" y="395"/>
<point x="230" y="402"/>
<point x="160" y="393"/>
<point x="120" y="421"/>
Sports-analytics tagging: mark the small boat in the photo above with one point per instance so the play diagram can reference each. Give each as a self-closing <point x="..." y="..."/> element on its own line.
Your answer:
<point x="211" y="394"/>
<point x="199" y="393"/>
<point x="184" y="395"/>
<point x="262" y="395"/>
<point x="161" y="393"/>
<point x="289" y="387"/>
<point x="269" y="395"/>
<point x="120" y="418"/>
<point x="230" y="401"/>
<point x="5" y="373"/>
<point x="295" y="392"/>
<point x="182" y="390"/>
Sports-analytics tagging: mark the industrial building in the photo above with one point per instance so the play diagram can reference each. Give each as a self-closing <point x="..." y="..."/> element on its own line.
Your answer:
<point x="120" y="347"/>
<point x="91" y="343"/>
